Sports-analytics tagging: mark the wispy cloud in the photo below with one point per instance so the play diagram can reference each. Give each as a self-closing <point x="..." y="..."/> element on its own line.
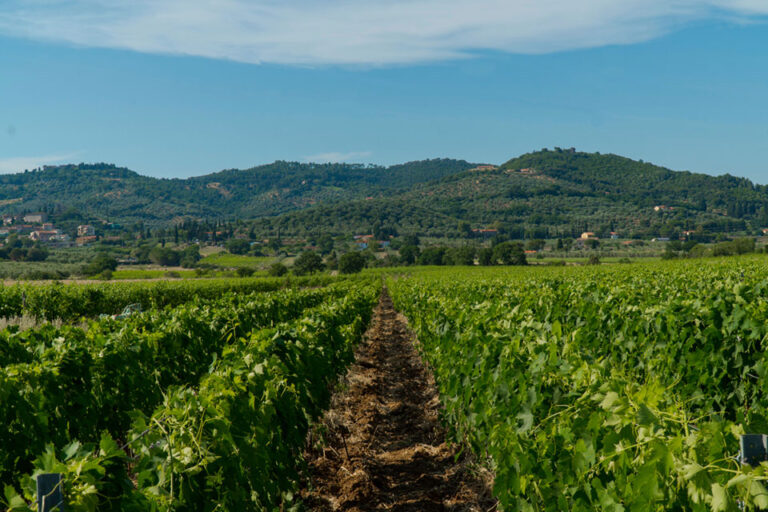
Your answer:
<point x="368" y="32"/>
<point x="335" y="156"/>
<point x="22" y="163"/>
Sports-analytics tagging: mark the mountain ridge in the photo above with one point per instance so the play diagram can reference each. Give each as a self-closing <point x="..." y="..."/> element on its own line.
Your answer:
<point x="542" y="193"/>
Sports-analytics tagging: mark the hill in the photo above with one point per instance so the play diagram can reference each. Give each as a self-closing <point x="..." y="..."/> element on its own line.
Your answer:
<point x="547" y="193"/>
<point x="552" y="193"/>
<point x="104" y="191"/>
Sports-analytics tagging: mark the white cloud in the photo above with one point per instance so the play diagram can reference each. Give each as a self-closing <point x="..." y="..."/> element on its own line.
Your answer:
<point x="22" y="163"/>
<point x="368" y="32"/>
<point x="335" y="156"/>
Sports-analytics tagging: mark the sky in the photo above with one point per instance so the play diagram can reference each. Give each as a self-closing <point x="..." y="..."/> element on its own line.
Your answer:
<point x="177" y="88"/>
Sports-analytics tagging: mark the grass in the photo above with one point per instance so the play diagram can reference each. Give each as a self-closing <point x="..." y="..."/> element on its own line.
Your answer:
<point x="227" y="260"/>
<point x="150" y="274"/>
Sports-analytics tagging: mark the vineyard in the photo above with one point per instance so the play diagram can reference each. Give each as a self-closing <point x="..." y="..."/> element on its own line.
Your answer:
<point x="609" y="388"/>
<point x="206" y="402"/>
<point x="603" y="389"/>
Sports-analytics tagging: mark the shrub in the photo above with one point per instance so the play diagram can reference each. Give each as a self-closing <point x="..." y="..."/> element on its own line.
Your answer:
<point x="245" y="271"/>
<point x="277" y="270"/>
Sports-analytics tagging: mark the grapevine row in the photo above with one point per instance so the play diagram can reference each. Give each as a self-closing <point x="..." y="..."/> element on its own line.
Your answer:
<point x="603" y="389"/>
<point x="80" y="383"/>
<point x="70" y="302"/>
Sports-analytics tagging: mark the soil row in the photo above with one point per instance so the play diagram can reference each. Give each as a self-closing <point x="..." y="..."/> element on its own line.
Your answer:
<point x="381" y="445"/>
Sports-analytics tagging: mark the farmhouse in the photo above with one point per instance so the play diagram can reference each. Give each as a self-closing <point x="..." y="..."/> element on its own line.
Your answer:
<point x="85" y="230"/>
<point x="588" y="235"/>
<point x="35" y="218"/>
<point x="484" y="168"/>
<point x="48" y="235"/>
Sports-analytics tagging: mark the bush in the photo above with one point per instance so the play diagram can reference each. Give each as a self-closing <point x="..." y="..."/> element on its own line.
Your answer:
<point x="99" y="264"/>
<point x="593" y="260"/>
<point x="277" y="270"/>
<point x="245" y="271"/>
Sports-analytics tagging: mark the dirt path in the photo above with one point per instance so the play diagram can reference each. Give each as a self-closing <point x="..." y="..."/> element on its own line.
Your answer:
<point x="384" y="446"/>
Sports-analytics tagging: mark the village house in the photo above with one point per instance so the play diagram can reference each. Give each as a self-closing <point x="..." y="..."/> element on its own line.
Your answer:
<point x="588" y="235"/>
<point x="484" y="168"/>
<point x="35" y="218"/>
<point x="85" y="230"/>
<point x="662" y="208"/>
<point x="49" y="236"/>
<point x="614" y="235"/>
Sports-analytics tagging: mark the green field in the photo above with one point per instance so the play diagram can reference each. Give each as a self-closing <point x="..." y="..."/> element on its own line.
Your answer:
<point x="602" y="388"/>
<point x="227" y="260"/>
<point x="152" y="274"/>
<point x="613" y="387"/>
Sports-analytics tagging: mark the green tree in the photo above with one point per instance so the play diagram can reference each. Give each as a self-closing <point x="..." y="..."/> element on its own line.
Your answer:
<point x="409" y="254"/>
<point x="164" y="256"/>
<point x="432" y="256"/>
<point x="325" y="244"/>
<point x="510" y="253"/>
<point x="485" y="256"/>
<point x="238" y="246"/>
<point x="308" y="262"/>
<point x="99" y="264"/>
<point x="189" y="256"/>
<point x="462" y="255"/>
<point x="351" y="263"/>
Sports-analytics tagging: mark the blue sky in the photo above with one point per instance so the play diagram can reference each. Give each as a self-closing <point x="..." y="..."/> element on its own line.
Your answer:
<point x="174" y="89"/>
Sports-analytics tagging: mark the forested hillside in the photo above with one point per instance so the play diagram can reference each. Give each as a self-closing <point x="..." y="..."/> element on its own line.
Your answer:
<point x="542" y="194"/>
<point x="553" y="193"/>
<point x="121" y="195"/>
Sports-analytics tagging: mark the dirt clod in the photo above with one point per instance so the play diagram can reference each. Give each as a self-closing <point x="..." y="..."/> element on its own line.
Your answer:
<point x="384" y="447"/>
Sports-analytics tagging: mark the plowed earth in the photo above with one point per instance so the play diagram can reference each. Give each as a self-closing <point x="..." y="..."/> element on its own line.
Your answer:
<point x="381" y="445"/>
